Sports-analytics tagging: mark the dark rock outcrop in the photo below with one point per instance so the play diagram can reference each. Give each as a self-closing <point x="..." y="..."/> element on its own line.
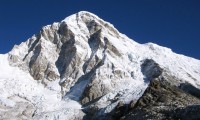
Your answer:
<point x="163" y="100"/>
<point x="151" y="69"/>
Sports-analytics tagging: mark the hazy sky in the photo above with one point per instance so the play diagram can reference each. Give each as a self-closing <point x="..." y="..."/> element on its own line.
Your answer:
<point x="170" y="23"/>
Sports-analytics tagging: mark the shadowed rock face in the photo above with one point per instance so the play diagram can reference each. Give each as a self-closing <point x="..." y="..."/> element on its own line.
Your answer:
<point x="190" y="89"/>
<point x="163" y="100"/>
<point x="151" y="69"/>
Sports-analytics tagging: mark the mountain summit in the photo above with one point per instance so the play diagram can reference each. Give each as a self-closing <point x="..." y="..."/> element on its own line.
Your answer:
<point x="84" y="68"/>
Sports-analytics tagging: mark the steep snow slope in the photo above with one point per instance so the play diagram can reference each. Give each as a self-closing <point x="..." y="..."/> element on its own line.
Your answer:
<point x="84" y="58"/>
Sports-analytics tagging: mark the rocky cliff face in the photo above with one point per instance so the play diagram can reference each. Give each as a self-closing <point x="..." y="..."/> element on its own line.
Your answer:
<point x="85" y="59"/>
<point x="161" y="100"/>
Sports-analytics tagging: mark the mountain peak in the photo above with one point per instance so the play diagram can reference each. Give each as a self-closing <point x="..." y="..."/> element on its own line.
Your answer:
<point x="85" y="20"/>
<point x="83" y="13"/>
<point x="86" y="59"/>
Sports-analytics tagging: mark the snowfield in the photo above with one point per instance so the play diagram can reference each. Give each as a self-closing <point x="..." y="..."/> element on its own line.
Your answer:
<point x="18" y="86"/>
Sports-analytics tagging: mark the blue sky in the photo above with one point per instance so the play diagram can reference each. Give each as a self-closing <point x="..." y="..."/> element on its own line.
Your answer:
<point x="171" y="23"/>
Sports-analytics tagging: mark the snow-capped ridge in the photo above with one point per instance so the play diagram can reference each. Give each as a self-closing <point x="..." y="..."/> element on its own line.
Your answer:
<point x="87" y="18"/>
<point x="86" y="59"/>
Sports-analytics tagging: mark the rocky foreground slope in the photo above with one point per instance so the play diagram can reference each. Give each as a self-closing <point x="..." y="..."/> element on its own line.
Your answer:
<point x="84" y="68"/>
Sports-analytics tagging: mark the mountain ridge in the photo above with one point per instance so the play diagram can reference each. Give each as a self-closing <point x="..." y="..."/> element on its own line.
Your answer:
<point x="85" y="59"/>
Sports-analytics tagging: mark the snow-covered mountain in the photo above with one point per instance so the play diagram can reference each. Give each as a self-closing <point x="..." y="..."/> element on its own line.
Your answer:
<point x="83" y="66"/>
